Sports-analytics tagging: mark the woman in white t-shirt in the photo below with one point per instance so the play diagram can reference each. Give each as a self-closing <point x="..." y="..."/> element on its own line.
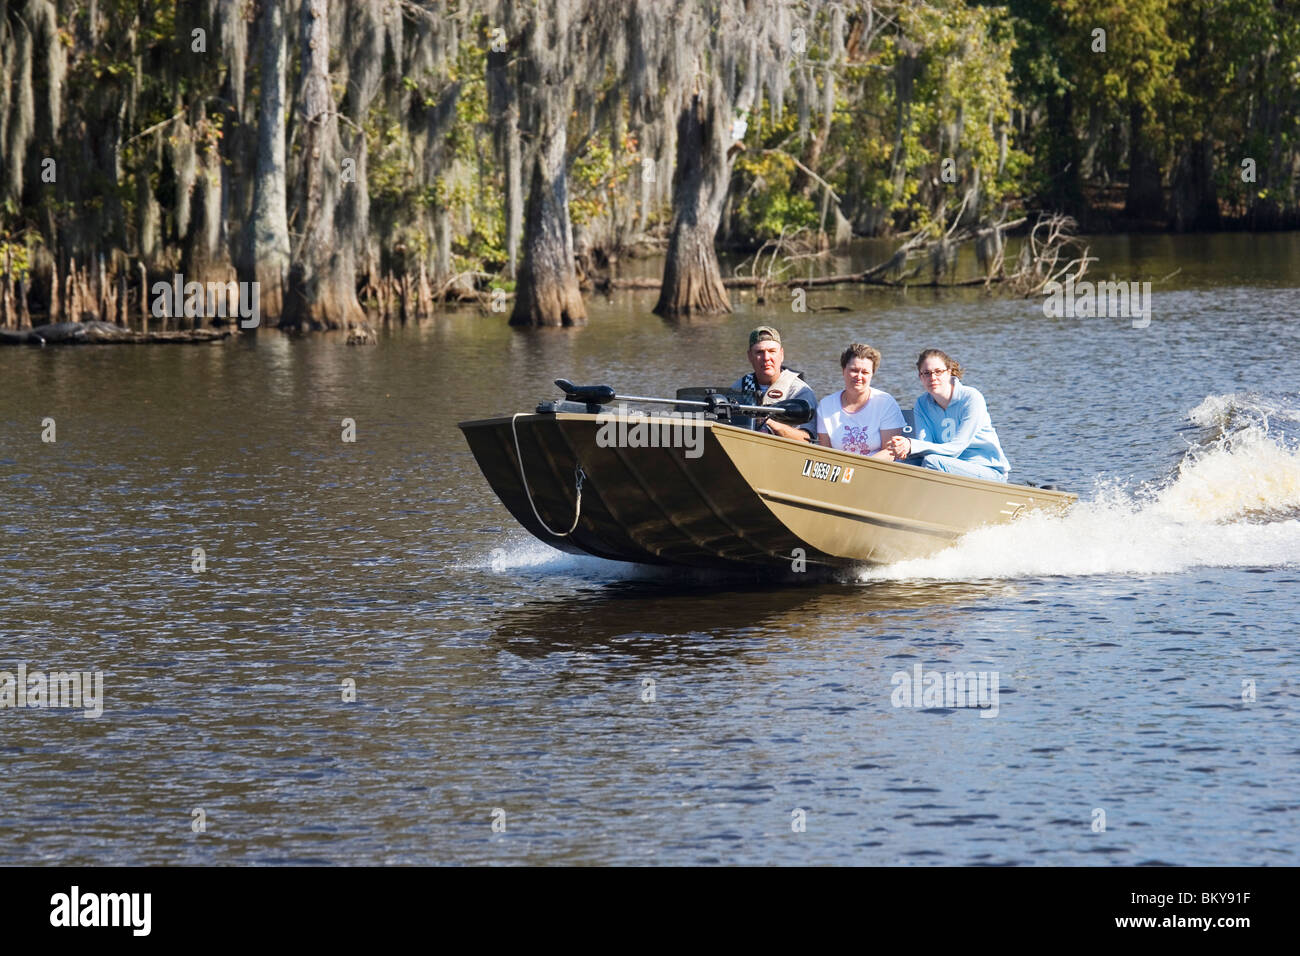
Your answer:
<point x="860" y="419"/>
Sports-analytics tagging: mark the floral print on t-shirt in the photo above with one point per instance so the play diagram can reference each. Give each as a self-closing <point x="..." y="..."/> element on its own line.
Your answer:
<point x="858" y="440"/>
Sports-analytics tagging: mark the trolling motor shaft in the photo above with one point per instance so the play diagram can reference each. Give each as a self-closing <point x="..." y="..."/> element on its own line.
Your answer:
<point x="794" y="411"/>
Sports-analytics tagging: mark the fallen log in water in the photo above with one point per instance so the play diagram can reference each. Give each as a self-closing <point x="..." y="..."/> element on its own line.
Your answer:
<point x="103" y="333"/>
<point x="872" y="276"/>
<point x="753" y="282"/>
<point x="1050" y="253"/>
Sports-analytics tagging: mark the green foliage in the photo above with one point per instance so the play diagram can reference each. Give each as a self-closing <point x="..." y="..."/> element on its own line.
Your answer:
<point x="768" y="203"/>
<point x="1243" y="64"/>
<point x="19" y="257"/>
<point x="1137" y="68"/>
<point x="1011" y="91"/>
<point x="589" y="174"/>
<point x="480" y="245"/>
<point x="956" y="103"/>
<point x="596" y="178"/>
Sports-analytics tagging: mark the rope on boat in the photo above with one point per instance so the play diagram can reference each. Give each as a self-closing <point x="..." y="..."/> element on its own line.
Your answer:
<point x="578" y="477"/>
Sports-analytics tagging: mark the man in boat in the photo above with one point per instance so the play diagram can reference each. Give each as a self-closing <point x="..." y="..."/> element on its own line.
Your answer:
<point x="772" y="382"/>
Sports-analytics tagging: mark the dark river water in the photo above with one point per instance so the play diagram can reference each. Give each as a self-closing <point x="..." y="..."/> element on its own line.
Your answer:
<point x="1145" y="643"/>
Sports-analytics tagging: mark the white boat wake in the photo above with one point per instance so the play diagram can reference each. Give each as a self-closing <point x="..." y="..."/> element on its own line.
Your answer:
<point x="1234" y="501"/>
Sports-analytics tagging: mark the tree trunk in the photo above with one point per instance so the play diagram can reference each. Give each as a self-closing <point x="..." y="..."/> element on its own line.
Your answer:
<point x="322" y="291"/>
<point x="514" y="190"/>
<point x="1195" y="201"/>
<point x="267" y="246"/>
<point x="692" y="280"/>
<point x="442" y="234"/>
<point x="365" y="51"/>
<point x="149" y="217"/>
<point x="1145" y="198"/>
<point x="547" y="291"/>
<point x="1064" y="189"/>
<point x="205" y="257"/>
<point x="504" y="98"/>
<point x="7" y="291"/>
<point x="18" y="101"/>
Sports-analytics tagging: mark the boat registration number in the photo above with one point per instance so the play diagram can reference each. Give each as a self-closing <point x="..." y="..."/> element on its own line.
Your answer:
<point x="822" y="470"/>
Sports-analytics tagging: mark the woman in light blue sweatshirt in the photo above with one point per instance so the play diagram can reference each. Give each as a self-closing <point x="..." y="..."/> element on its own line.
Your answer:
<point x="952" y="429"/>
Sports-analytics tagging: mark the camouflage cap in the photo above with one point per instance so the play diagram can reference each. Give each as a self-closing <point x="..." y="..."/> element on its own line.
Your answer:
<point x="764" y="332"/>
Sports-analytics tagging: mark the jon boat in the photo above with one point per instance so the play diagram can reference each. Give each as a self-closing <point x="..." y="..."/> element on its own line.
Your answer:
<point x="703" y="492"/>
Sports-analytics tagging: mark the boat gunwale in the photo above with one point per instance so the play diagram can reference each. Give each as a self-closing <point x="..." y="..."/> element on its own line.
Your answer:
<point x="726" y="432"/>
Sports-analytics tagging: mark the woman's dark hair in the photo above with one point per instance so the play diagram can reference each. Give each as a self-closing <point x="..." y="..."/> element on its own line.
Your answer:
<point x="953" y="367"/>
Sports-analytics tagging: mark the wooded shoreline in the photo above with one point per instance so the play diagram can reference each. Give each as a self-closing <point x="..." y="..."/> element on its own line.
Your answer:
<point x="380" y="157"/>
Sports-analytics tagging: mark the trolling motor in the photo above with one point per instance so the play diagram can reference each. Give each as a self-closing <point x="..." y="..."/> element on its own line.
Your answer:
<point x="591" y="399"/>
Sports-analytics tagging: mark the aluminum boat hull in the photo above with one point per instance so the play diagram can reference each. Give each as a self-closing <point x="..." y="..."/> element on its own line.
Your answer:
<point x="747" y="500"/>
